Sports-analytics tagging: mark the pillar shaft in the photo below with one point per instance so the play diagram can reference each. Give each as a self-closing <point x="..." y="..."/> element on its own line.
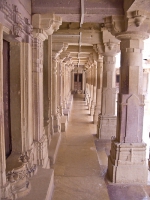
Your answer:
<point x="99" y="89"/>
<point x="127" y="149"/>
<point x="55" y="113"/>
<point x="72" y="81"/>
<point x="107" y="118"/>
<point x="130" y="101"/>
<point x="94" y="78"/>
<point x="90" y="89"/>
<point x="26" y="96"/>
<point x="83" y="82"/>
<point x="38" y="88"/>
<point x="40" y="139"/>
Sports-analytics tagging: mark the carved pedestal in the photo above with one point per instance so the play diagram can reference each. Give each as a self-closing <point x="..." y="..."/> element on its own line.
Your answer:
<point x="127" y="163"/>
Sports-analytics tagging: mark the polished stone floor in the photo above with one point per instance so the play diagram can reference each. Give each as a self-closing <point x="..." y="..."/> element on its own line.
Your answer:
<point x="81" y="163"/>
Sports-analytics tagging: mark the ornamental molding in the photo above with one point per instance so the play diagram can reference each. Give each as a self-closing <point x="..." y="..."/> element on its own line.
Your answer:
<point x="19" y="26"/>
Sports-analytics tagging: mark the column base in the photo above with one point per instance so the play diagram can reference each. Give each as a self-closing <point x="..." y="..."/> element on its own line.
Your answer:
<point x="42" y="152"/>
<point x="56" y="124"/>
<point x="63" y="123"/>
<point x="66" y="113"/>
<point x="127" y="163"/>
<point x="92" y="108"/>
<point x="89" y="103"/>
<point x="106" y="127"/>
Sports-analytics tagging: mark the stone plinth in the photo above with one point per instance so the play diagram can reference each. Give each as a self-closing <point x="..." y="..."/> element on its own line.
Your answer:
<point x="66" y="113"/>
<point x="127" y="163"/>
<point x="63" y="123"/>
<point x="42" y="185"/>
<point x="106" y="127"/>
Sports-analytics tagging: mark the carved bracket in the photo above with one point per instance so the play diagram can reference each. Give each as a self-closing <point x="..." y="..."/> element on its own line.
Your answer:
<point x="47" y="22"/>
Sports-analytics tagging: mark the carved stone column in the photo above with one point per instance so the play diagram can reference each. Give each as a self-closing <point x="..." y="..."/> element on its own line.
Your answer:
<point x="90" y="88"/>
<point x="39" y="135"/>
<point x="61" y="96"/>
<point x="57" y="48"/>
<point x="55" y="111"/>
<point x="127" y="160"/>
<point x="99" y="89"/>
<point x="63" y="87"/>
<point x="106" y="127"/>
<point x="94" y="78"/>
<point x="44" y="25"/>
<point x="64" y="82"/>
<point x="83" y="82"/>
<point x="86" y="85"/>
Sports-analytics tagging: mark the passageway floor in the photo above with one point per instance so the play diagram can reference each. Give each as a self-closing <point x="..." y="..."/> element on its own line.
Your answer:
<point x="81" y="163"/>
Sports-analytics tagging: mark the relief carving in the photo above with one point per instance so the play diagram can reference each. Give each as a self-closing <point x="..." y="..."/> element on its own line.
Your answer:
<point x="20" y="27"/>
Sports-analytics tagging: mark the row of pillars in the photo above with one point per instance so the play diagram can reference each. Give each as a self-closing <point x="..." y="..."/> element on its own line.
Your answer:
<point x="40" y="91"/>
<point x="127" y="160"/>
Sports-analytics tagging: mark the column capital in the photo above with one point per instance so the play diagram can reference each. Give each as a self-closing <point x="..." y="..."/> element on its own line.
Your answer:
<point x="109" y="46"/>
<point x="135" y="24"/>
<point x="108" y="49"/>
<point x="45" y="24"/>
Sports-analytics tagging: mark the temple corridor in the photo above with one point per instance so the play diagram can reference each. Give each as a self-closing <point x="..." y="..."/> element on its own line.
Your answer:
<point x="74" y="100"/>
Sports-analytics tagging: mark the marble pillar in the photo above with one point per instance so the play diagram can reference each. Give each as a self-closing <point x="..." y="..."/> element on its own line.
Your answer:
<point x="98" y="89"/>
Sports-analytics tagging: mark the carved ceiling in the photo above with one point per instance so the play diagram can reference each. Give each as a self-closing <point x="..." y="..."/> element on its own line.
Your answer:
<point x="81" y="20"/>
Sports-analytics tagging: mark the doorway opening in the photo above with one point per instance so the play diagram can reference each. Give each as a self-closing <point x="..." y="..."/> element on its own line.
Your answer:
<point x="77" y="82"/>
